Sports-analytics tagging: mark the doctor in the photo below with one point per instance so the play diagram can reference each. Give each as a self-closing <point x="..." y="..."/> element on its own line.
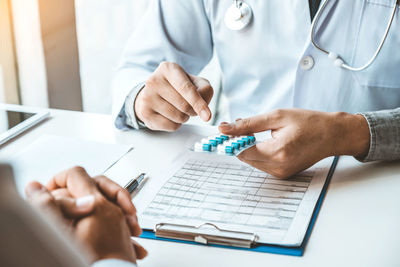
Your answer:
<point x="326" y="83"/>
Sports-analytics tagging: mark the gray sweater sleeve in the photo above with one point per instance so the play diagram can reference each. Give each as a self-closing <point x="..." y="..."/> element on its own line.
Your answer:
<point x="384" y="128"/>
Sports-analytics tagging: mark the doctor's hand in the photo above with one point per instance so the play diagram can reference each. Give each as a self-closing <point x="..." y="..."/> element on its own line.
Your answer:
<point x="300" y="138"/>
<point x="170" y="96"/>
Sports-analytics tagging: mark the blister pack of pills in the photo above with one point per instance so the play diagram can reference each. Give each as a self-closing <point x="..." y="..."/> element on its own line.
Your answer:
<point x="224" y="144"/>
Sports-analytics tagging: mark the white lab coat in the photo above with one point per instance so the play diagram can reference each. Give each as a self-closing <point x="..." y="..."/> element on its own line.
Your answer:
<point x="262" y="66"/>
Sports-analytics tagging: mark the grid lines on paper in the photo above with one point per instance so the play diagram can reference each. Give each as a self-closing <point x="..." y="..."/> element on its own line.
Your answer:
<point x="217" y="192"/>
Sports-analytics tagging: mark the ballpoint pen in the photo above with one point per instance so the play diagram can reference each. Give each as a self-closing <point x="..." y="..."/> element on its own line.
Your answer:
<point x="134" y="183"/>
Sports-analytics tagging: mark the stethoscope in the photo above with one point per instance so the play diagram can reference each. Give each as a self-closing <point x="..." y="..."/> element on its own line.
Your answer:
<point x="337" y="60"/>
<point x="239" y="15"/>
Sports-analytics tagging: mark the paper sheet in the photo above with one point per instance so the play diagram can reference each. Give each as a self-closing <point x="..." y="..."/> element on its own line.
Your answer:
<point x="234" y="196"/>
<point x="50" y="154"/>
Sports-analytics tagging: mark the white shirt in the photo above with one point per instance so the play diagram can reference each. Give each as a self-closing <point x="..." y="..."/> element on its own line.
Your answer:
<point x="270" y="64"/>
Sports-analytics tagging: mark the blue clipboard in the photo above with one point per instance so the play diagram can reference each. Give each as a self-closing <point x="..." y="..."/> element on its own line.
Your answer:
<point x="291" y="251"/>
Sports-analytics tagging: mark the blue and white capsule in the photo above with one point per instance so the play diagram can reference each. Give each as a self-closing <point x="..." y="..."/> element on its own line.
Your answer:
<point x="229" y="150"/>
<point x="252" y="139"/>
<point x="226" y="149"/>
<point x="225" y="137"/>
<point x="207" y="147"/>
<point x="199" y="147"/>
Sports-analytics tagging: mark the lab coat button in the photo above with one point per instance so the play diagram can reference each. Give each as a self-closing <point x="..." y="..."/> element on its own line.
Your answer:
<point x="307" y="63"/>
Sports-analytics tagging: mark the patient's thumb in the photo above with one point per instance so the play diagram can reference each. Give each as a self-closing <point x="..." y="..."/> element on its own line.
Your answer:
<point x="76" y="208"/>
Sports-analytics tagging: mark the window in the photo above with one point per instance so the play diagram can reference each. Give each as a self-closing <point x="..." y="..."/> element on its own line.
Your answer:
<point x="8" y="75"/>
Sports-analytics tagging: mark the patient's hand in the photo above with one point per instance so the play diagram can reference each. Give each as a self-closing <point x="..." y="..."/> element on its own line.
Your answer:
<point x="106" y="232"/>
<point x="62" y="208"/>
<point x="109" y="223"/>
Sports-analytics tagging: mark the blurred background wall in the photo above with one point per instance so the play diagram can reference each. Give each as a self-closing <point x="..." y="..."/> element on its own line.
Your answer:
<point x="8" y="68"/>
<point x="103" y="29"/>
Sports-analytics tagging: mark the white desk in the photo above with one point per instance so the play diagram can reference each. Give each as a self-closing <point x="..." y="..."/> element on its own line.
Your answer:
<point x="358" y="224"/>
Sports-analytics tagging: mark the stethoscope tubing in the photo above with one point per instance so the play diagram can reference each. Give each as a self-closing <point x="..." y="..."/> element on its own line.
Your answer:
<point x="337" y="59"/>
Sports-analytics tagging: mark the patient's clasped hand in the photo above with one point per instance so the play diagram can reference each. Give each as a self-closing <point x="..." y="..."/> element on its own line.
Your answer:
<point x="96" y="211"/>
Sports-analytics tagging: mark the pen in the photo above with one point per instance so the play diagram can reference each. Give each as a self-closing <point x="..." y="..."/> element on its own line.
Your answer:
<point x="134" y="183"/>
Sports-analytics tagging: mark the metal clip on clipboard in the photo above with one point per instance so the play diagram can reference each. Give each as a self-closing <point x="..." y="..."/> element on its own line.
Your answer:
<point x="206" y="233"/>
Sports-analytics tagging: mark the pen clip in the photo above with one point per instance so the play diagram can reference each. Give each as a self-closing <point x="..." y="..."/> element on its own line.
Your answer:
<point x="138" y="179"/>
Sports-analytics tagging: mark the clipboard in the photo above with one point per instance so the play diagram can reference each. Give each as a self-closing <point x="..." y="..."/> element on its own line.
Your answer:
<point x="234" y="239"/>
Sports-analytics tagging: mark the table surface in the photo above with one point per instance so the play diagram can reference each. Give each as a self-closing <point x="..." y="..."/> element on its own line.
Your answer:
<point x="358" y="224"/>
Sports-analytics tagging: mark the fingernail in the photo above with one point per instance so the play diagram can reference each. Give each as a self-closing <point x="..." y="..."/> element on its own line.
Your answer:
<point x="34" y="188"/>
<point x="85" y="202"/>
<point x="227" y="127"/>
<point x="238" y="119"/>
<point x="204" y="115"/>
<point x="223" y="123"/>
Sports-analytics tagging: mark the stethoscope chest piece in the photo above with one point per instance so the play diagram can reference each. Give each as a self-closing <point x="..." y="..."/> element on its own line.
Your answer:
<point x="238" y="16"/>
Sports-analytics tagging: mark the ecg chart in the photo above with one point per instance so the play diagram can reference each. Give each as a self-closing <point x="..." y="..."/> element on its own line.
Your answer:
<point x="231" y="195"/>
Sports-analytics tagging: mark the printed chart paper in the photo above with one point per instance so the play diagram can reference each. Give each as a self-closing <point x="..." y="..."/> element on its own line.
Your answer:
<point x="234" y="196"/>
